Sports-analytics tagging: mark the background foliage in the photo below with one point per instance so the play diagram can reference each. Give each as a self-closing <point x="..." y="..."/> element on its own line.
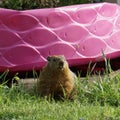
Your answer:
<point x="32" y="4"/>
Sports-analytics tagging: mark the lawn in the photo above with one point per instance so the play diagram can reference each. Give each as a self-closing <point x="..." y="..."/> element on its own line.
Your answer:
<point x="98" y="100"/>
<point x="34" y="109"/>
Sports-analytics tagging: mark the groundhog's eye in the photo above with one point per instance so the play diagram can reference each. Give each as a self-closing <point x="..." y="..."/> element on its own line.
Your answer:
<point x="54" y="60"/>
<point x="48" y="58"/>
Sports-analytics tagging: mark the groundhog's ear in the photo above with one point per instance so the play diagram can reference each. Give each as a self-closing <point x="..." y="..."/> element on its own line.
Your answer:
<point x="48" y="58"/>
<point x="63" y="57"/>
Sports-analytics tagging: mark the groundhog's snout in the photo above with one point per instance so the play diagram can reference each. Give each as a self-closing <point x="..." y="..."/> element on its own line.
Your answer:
<point x="61" y="64"/>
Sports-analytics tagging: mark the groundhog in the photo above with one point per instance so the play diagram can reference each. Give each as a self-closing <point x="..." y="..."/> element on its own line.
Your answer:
<point x="57" y="80"/>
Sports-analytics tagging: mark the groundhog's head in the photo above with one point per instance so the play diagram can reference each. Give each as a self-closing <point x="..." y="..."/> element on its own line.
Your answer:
<point x="57" y="62"/>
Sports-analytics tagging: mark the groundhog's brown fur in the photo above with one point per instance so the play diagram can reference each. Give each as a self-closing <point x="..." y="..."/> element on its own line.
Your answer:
<point x="57" y="80"/>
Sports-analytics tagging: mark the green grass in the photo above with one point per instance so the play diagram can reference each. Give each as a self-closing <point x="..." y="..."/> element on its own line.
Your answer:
<point x="96" y="101"/>
<point x="16" y="105"/>
<point x="42" y="110"/>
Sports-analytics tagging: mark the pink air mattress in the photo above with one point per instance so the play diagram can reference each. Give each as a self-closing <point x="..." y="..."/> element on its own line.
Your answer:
<point x="80" y="32"/>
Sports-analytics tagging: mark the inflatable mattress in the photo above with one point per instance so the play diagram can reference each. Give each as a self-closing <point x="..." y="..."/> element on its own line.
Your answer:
<point x="79" y="32"/>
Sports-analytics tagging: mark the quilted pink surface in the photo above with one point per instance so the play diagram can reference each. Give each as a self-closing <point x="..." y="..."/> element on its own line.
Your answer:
<point x="79" y="32"/>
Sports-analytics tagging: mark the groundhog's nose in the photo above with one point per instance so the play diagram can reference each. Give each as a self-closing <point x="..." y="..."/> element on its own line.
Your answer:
<point x="61" y="63"/>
